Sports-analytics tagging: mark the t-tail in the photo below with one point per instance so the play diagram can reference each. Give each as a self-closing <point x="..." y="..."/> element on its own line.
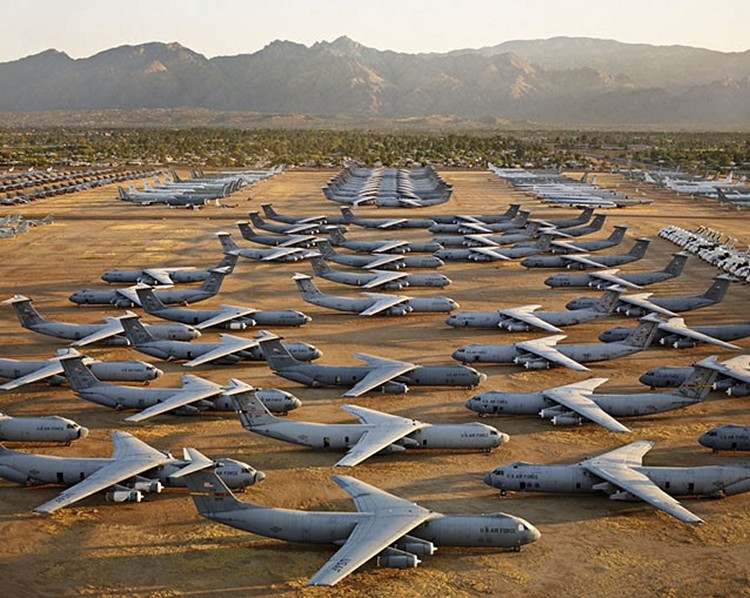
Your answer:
<point x="269" y="211"/>
<point x="336" y="236"/>
<point x="699" y="383"/>
<point x="639" y="248"/>
<point x="305" y="285"/>
<point x="256" y="219"/>
<point x="247" y="231"/>
<point x="644" y="333"/>
<point x="27" y="314"/>
<point x="212" y="284"/>
<point x="597" y="222"/>
<point x="251" y="411"/>
<point x="228" y="245"/>
<point x="134" y="330"/>
<point x="123" y="195"/>
<point x="718" y="289"/>
<point x="228" y="262"/>
<point x="211" y="495"/>
<point x="348" y="215"/>
<point x="79" y="376"/>
<point x="275" y="353"/>
<point x="617" y="234"/>
<point x="608" y="301"/>
<point x="677" y="263"/>
<point x="149" y="300"/>
<point x="319" y="265"/>
<point x="512" y="210"/>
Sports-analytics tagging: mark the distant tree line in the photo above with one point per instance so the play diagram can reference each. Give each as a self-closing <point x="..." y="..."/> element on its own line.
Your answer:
<point x="248" y="148"/>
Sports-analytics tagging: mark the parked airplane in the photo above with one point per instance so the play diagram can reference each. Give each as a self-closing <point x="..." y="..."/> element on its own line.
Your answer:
<point x="126" y="297"/>
<point x="371" y="279"/>
<point x="307" y="228"/>
<point x="379" y="373"/>
<point x="262" y="254"/>
<point x="337" y="238"/>
<point x="510" y="213"/>
<point x="615" y="238"/>
<point x="230" y="317"/>
<point x="348" y="217"/>
<point x="134" y="469"/>
<point x="193" y="396"/>
<point x="525" y="317"/>
<point x="23" y="372"/>
<point x="50" y="428"/>
<point x="543" y="353"/>
<point x="629" y="304"/>
<point x="377" y="433"/>
<point x="603" y="278"/>
<point x="168" y="275"/>
<point x="249" y="234"/>
<point x="620" y="473"/>
<point x="385" y="261"/>
<point x="582" y="261"/>
<point x="270" y="212"/>
<point x="394" y="530"/>
<point x="676" y="334"/>
<point x="570" y="404"/>
<point x="733" y="378"/>
<point x="229" y="350"/>
<point x="110" y="333"/>
<point x="372" y="304"/>
<point x="729" y="437"/>
<point x="464" y="226"/>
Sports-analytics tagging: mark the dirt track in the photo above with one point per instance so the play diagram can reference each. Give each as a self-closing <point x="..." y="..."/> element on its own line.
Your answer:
<point x="589" y="545"/>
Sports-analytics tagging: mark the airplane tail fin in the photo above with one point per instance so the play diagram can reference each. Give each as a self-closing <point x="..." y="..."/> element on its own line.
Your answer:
<point x="246" y="231"/>
<point x="586" y="215"/>
<point x="336" y="236"/>
<point x="677" y="264"/>
<point x="325" y="249"/>
<point x="305" y="285"/>
<point x="347" y="214"/>
<point x="256" y="219"/>
<point x="512" y="210"/>
<point x="211" y="495"/>
<point x="618" y="233"/>
<point x="319" y="265"/>
<point x="251" y="411"/>
<point x="597" y="222"/>
<point x="276" y="354"/>
<point x="644" y="333"/>
<point x="122" y="194"/>
<point x="227" y="263"/>
<point x="212" y="284"/>
<point x="639" y="248"/>
<point x="227" y="243"/>
<point x="149" y="300"/>
<point x="134" y="330"/>
<point x="608" y="301"/>
<point x="78" y="374"/>
<point x="545" y="242"/>
<point x="718" y="289"/>
<point x="268" y="210"/>
<point x="698" y="384"/>
<point x="27" y="314"/>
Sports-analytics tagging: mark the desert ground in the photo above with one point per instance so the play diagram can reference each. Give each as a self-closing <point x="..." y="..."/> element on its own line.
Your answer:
<point x="589" y="546"/>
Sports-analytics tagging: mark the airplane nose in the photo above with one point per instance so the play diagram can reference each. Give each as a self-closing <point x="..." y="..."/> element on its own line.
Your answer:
<point x="488" y="479"/>
<point x="482" y="377"/>
<point x="259" y="477"/>
<point x="83" y="432"/>
<point x="534" y="534"/>
<point x="504" y="438"/>
<point x="156" y="372"/>
<point x="295" y="402"/>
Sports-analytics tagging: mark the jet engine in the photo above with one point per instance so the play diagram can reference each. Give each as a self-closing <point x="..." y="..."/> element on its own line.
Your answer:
<point x="737" y="487"/>
<point x="550" y="412"/>
<point x="532" y="363"/>
<point x="566" y="420"/>
<point x="122" y="494"/>
<point x="739" y="390"/>
<point x="145" y="485"/>
<point x="512" y="326"/>
<point x="416" y="546"/>
<point x="396" y="388"/>
<point x="398" y="559"/>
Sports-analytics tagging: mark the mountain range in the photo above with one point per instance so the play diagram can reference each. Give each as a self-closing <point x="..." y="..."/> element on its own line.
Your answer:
<point x="556" y="81"/>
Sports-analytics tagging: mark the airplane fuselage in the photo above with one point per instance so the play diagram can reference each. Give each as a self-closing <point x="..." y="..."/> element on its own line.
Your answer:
<point x="134" y="371"/>
<point x="40" y="429"/>
<point x="498" y="319"/>
<point x="582" y="353"/>
<point x="178" y="351"/>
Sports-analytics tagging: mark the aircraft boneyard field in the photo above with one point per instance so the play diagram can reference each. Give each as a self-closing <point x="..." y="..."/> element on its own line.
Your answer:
<point x="589" y="545"/>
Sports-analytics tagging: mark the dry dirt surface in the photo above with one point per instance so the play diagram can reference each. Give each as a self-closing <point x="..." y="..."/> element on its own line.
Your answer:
<point x="589" y="546"/>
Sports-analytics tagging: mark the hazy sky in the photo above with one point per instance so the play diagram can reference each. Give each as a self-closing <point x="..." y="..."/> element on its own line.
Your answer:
<point x="82" y="28"/>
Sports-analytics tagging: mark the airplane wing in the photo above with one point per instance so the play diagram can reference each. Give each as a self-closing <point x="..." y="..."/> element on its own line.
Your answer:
<point x="382" y="303"/>
<point x="197" y="461"/>
<point x="483" y="239"/>
<point x="297" y="239"/>
<point x="161" y="275"/>
<point x="193" y="389"/>
<point x="525" y="314"/>
<point x="388" y="518"/>
<point x="678" y="326"/>
<point x="736" y="367"/>
<point x="229" y="344"/>
<point x="393" y="223"/>
<point x="641" y="300"/>
<point x="545" y="348"/>
<point x="383" y="370"/>
<point x="610" y="276"/>
<point x="130" y="294"/>
<point x="616" y="467"/>
<point x="580" y="258"/>
<point x="382" y="277"/>
<point x="52" y="368"/>
<point x="280" y="252"/>
<point x="576" y="397"/>
<point x="390" y="246"/>
<point x="566" y="245"/>
<point x="386" y="429"/>
<point x="476" y="227"/>
<point x="112" y="328"/>
<point x="381" y="260"/>
<point x="228" y="313"/>
<point x="129" y="458"/>
<point x="489" y="252"/>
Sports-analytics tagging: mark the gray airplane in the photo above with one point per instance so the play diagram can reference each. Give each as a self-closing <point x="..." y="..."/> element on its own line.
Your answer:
<point x="193" y="396"/>
<point x="379" y="373"/>
<point x="394" y="530"/>
<point x="485" y="253"/>
<point x="277" y="254"/>
<point x="525" y="317"/>
<point x="22" y="372"/>
<point x="570" y="404"/>
<point x="109" y="333"/>
<point x="729" y="437"/>
<point x="377" y="433"/>
<point x="676" y="334"/>
<point x="621" y="475"/>
<point x="229" y="317"/>
<point x="126" y="297"/>
<point x="372" y="304"/>
<point x="615" y="238"/>
<point x="372" y="279"/>
<point x="384" y="261"/>
<point x="630" y="306"/>
<point x="229" y="350"/>
<point x="270" y="212"/>
<point x="165" y="275"/>
<point x="543" y="353"/>
<point x="579" y="261"/>
<point x="348" y="217"/>
<point x="134" y="469"/>
<point x="604" y="278"/>
<point x="50" y="428"/>
<point x="306" y="228"/>
<point x="733" y="378"/>
<point x="510" y="213"/>
<point x="337" y="238"/>
<point x="478" y="227"/>
<point x="274" y="239"/>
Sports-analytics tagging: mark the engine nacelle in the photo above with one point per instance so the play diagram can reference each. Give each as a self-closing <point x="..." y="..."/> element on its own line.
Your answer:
<point x="566" y="420"/>
<point x="146" y="485"/>
<point x="634" y="312"/>
<point x="124" y="495"/>
<point x="236" y="325"/>
<point x="737" y="487"/>
<point x="416" y="546"/>
<point x="684" y="344"/>
<point x="396" y="388"/>
<point x="8" y="473"/>
<point x="722" y="384"/>
<point x="125" y="303"/>
<point x="515" y="326"/>
<point x="392" y="448"/>
<point x="535" y="364"/>
<point x="550" y="412"/>
<point x="739" y="390"/>
<point x="397" y="559"/>
<point x="399" y="311"/>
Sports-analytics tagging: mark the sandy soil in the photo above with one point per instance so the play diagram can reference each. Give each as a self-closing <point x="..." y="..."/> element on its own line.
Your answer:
<point x="589" y="545"/>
